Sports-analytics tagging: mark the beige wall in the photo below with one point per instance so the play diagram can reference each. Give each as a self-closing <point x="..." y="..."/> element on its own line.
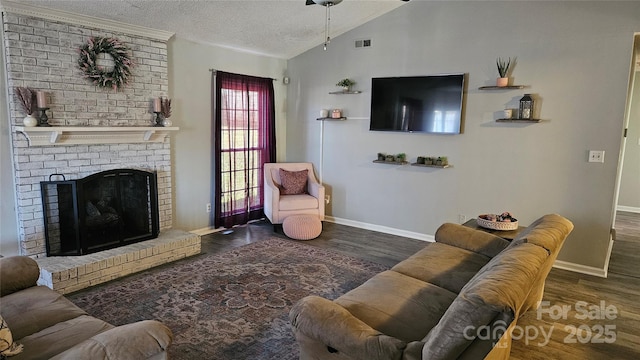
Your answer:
<point x="574" y="55"/>
<point x="190" y="91"/>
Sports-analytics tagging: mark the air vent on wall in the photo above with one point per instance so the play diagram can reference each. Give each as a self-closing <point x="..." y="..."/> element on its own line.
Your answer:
<point x="363" y="43"/>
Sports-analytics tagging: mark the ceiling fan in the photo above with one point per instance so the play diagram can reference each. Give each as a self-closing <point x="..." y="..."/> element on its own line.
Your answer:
<point x="323" y="2"/>
<point x="327" y="4"/>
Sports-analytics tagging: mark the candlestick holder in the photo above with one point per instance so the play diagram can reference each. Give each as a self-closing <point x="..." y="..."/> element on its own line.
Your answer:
<point x="158" y="119"/>
<point x="43" y="119"/>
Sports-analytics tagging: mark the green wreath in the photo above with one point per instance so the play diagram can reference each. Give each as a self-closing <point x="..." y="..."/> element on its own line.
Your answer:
<point x="116" y="78"/>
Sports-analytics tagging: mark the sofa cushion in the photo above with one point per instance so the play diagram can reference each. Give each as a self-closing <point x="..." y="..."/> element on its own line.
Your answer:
<point x="298" y="202"/>
<point x="36" y="308"/>
<point x="293" y="182"/>
<point x="7" y="346"/>
<point x="501" y="286"/>
<point x="448" y="267"/>
<point x="398" y="305"/>
<point x="474" y="240"/>
<point x="549" y="232"/>
<point x="18" y="272"/>
<point x="62" y="336"/>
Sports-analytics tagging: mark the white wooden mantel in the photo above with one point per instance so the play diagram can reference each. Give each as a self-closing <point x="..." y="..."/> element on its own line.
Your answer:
<point x="73" y="135"/>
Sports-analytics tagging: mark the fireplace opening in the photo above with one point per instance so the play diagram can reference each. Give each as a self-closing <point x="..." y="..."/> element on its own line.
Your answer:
<point x="101" y="211"/>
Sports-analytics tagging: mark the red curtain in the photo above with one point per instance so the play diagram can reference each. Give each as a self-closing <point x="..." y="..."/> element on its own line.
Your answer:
<point x="244" y="139"/>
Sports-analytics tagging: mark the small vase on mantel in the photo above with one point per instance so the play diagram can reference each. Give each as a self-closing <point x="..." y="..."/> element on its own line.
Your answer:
<point x="30" y="121"/>
<point x="502" y="82"/>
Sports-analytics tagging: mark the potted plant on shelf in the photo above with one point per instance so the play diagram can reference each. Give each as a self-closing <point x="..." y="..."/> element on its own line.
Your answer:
<point x="402" y="157"/>
<point x="26" y="98"/>
<point x="165" y="109"/>
<point x="428" y="160"/>
<point x="346" y="84"/>
<point x="503" y="71"/>
<point x="442" y="161"/>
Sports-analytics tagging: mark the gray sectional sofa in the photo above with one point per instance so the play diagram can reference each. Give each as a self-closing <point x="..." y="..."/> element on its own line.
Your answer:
<point x="49" y="326"/>
<point x="434" y="304"/>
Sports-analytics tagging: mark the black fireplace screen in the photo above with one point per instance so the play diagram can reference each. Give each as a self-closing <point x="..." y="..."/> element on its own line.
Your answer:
<point x="101" y="211"/>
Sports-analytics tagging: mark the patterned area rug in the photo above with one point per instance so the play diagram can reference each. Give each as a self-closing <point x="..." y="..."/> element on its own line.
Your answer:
<point x="232" y="305"/>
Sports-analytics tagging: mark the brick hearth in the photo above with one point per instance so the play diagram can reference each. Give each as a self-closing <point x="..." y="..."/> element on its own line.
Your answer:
<point x="71" y="273"/>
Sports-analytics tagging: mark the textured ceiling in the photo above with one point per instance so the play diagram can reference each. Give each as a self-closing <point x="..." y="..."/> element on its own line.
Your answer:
<point x="278" y="28"/>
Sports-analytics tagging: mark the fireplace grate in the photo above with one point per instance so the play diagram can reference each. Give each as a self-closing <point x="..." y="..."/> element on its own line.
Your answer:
<point x="101" y="211"/>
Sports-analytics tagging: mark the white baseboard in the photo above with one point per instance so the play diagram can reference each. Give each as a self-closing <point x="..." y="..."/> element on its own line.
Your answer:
<point x="628" y="209"/>
<point x="588" y="270"/>
<point x="583" y="269"/>
<point x="380" y="228"/>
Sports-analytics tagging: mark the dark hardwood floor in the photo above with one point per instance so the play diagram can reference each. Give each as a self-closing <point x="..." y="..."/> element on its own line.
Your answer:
<point x="590" y="329"/>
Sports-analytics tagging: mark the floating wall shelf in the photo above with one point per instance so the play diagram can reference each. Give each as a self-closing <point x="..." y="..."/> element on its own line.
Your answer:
<point x="334" y="119"/>
<point x="519" y="120"/>
<point x="433" y="166"/>
<point x="72" y="135"/>
<point x="502" y="87"/>
<point x="391" y="162"/>
<point x="344" y="92"/>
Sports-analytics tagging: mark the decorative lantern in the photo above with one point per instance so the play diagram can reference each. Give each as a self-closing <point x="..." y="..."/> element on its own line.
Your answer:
<point x="525" y="111"/>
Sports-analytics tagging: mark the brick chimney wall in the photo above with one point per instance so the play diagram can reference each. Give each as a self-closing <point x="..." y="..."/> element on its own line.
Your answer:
<point x="42" y="54"/>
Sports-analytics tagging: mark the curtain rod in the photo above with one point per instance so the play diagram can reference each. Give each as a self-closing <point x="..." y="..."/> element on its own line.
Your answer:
<point x="214" y="71"/>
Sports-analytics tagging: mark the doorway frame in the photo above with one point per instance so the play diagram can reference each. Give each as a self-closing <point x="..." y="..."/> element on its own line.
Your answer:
<point x="634" y="67"/>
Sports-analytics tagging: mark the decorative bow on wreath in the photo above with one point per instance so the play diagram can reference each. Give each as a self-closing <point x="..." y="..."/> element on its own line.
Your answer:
<point x="119" y="75"/>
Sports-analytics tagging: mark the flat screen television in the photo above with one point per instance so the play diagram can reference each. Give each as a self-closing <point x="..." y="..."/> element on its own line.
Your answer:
<point x="426" y="104"/>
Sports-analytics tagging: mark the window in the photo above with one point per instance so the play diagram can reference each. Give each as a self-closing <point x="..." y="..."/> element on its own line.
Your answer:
<point x="245" y="140"/>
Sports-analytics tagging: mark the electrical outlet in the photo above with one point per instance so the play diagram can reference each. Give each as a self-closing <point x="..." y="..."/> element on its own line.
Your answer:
<point x="596" y="156"/>
<point x="327" y="199"/>
<point x="462" y="219"/>
<point x="209" y="208"/>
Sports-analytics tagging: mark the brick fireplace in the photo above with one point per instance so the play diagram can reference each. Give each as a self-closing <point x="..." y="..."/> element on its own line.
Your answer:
<point x="41" y="51"/>
<point x="42" y="54"/>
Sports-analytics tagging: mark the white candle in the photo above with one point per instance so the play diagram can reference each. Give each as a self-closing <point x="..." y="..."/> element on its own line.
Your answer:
<point x="41" y="99"/>
<point x="157" y="107"/>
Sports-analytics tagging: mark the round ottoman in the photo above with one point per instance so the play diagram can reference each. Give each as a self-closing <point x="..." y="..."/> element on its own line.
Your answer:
<point x="302" y="227"/>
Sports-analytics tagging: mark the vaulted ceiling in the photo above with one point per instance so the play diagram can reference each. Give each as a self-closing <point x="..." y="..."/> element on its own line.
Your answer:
<point x="277" y="28"/>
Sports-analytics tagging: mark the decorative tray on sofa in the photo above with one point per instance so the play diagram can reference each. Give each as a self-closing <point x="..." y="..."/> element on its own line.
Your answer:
<point x="503" y="221"/>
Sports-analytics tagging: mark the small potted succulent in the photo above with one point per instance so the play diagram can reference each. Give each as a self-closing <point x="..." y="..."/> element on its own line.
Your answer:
<point x="346" y="84"/>
<point x="402" y="157"/>
<point x="390" y="158"/>
<point x="503" y="71"/>
<point x="381" y="156"/>
<point x="428" y="160"/>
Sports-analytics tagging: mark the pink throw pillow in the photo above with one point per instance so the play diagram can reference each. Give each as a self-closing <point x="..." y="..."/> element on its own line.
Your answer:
<point x="293" y="182"/>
